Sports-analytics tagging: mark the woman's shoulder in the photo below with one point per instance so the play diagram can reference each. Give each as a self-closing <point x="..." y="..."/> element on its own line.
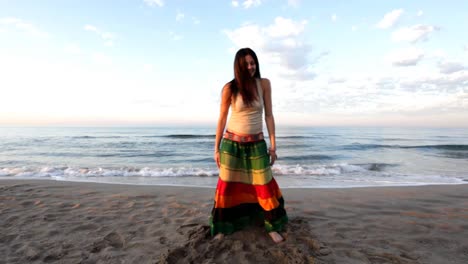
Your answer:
<point x="265" y="82"/>
<point x="227" y="87"/>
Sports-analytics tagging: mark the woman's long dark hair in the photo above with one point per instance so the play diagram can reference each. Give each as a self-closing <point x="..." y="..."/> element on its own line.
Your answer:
<point x="243" y="83"/>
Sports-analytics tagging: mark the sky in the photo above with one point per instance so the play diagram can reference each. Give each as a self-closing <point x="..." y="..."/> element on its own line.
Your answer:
<point x="152" y="62"/>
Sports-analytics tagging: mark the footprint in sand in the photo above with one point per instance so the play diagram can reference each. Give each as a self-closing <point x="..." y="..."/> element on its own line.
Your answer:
<point x="27" y="203"/>
<point x="84" y="227"/>
<point x="112" y="239"/>
<point x="163" y="240"/>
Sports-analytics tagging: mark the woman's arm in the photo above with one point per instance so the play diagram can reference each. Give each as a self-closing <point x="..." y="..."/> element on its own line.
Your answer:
<point x="225" y="104"/>
<point x="269" y="119"/>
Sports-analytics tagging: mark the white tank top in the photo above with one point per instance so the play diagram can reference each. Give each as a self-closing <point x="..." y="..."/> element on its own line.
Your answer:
<point x="246" y="120"/>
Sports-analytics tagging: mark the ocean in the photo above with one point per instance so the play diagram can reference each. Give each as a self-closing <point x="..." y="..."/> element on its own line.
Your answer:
<point x="309" y="157"/>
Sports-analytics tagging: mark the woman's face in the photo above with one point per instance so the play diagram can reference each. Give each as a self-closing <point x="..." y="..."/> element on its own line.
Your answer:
<point x="251" y="66"/>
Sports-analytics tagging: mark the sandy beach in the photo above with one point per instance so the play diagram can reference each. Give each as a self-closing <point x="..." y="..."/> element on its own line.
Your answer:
<point x="65" y="222"/>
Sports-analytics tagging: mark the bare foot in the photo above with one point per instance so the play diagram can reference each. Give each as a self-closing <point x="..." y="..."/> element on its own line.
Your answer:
<point x="277" y="238"/>
<point x="218" y="236"/>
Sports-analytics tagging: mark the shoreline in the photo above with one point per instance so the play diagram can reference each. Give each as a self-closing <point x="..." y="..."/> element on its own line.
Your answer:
<point x="86" y="222"/>
<point x="214" y="181"/>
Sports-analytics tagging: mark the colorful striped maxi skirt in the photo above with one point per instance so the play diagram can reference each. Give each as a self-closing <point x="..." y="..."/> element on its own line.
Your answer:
<point x="246" y="193"/>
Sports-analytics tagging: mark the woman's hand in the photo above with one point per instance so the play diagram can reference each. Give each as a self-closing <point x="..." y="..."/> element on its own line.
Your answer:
<point x="273" y="156"/>
<point x="216" y="158"/>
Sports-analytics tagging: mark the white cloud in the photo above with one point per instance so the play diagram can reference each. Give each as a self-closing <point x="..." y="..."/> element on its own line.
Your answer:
<point x="414" y="33"/>
<point x="438" y="54"/>
<point x="101" y="58"/>
<point x="390" y="19"/>
<point x="251" y="3"/>
<point x="354" y="28"/>
<point x="449" y="67"/>
<point x="109" y="43"/>
<point x="294" y="3"/>
<point x="405" y="57"/>
<point x="175" y="36"/>
<point x="434" y="93"/>
<point x="420" y="13"/>
<point x="107" y="37"/>
<point x="284" y="27"/>
<point x="385" y="100"/>
<point x="153" y="3"/>
<point x="281" y="45"/>
<point x="180" y="16"/>
<point x="434" y="82"/>
<point x="196" y="21"/>
<point x="90" y="28"/>
<point x="73" y="49"/>
<point x="336" y="80"/>
<point x="334" y="17"/>
<point x="22" y="26"/>
<point x="9" y="20"/>
<point x="248" y="35"/>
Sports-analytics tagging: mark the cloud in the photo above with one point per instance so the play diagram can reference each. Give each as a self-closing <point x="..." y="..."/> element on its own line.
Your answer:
<point x="405" y="57"/>
<point x="196" y="21"/>
<point x="448" y="83"/>
<point x="175" y="36"/>
<point x="153" y="3"/>
<point x="107" y="37"/>
<point x="22" y="26"/>
<point x="414" y="33"/>
<point x="91" y="28"/>
<point x="434" y="93"/>
<point x="281" y="44"/>
<point x="449" y="67"/>
<point x="420" y="13"/>
<point x="180" y="16"/>
<point x="334" y="18"/>
<point x="438" y="54"/>
<point x="284" y="27"/>
<point x="332" y="80"/>
<point x="390" y="19"/>
<point x="294" y="3"/>
<point x="247" y="3"/>
<point x="73" y="49"/>
<point x="251" y="3"/>
<point x="101" y="58"/>
<point x="385" y="98"/>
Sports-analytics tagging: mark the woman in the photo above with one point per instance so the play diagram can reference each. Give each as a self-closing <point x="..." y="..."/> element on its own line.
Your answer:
<point x="246" y="192"/>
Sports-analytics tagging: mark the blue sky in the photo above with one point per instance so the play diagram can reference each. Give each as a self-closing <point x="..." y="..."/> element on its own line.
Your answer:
<point x="148" y="62"/>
